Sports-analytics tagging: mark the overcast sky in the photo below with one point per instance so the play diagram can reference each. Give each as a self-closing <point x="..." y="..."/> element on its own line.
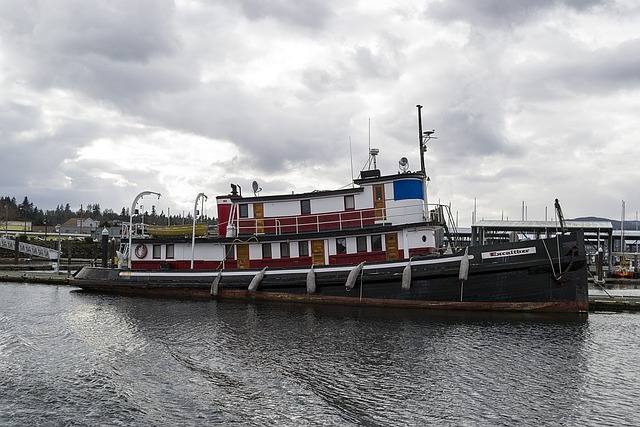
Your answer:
<point x="530" y="100"/>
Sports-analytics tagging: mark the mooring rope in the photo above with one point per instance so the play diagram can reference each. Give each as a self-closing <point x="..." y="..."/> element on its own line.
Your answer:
<point x="600" y="284"/>
<point x="550" y="259"/>
<point x="557" y="277"/>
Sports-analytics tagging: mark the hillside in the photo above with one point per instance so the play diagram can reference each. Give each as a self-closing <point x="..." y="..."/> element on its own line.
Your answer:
<point x="628" y="225"/>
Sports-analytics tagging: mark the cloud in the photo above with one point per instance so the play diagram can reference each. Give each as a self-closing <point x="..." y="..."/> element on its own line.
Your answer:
<point x="530" y="101"/>
<point x="310" y="14"/>
<point x="503" y="13"/>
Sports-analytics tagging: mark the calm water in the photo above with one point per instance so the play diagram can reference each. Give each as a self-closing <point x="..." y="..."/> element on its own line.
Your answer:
<point x="72" y="358"/>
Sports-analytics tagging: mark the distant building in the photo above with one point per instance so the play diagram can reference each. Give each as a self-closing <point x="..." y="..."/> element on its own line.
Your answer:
<point x="12" y="227"/>
<point x="85" y="226"/>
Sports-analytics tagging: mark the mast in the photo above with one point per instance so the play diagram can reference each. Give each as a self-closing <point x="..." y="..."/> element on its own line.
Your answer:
<point x="622" y="240"/>
<point x="423" y="138"/>
<point x="422" y="168"/>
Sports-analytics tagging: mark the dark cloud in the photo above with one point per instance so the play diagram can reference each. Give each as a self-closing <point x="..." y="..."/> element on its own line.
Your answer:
<point x="598" y="71"/>
<point x="500" y="13"/>
<point x="120" y="30"/>
<point x="308" y="13"/>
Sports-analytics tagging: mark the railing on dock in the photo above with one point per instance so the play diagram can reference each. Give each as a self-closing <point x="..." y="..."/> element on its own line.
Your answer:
<point x="27" y="248"/>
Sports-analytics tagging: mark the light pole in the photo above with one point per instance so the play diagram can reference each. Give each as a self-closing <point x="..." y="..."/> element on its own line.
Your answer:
<point x="112" y="253"/>
<point x="193" y="235"/>
<point x="133" y="207"/>
<point x="59" y="249"/>
<point x="69" y="241"/>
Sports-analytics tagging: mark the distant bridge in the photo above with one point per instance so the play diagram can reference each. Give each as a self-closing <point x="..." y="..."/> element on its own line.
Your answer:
<point x="27" y="248"/>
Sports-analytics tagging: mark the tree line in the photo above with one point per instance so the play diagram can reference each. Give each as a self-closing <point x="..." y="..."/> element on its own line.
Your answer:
<point x="11" y="210"/>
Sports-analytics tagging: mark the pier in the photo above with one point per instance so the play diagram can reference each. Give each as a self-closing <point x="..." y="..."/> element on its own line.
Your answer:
<point x="614" y="303"/>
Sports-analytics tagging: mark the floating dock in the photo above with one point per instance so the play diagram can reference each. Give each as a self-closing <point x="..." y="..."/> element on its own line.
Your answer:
<point x="613" y="303"/>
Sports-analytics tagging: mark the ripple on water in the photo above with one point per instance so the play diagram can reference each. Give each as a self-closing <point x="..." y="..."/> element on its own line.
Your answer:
<point x="82" y="359"/>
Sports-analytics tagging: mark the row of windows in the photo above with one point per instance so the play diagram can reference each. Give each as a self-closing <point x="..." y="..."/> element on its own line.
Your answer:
<point x="362" y="245"/>
<point x="157" y="252"/>
<point x="285" y="248"/>
<point x="305" y="206"/>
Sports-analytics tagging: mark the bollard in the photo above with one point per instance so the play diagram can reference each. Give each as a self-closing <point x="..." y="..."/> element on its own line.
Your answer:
<point x="599" y="262"/>
<point x="17" y="248"/>
<point x="105" y="247"/>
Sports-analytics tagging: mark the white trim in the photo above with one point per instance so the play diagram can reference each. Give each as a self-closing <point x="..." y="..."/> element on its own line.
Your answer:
<point x="317" y="269"/>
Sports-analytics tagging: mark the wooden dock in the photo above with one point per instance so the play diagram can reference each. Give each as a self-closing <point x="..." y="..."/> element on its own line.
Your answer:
<point x="613" y="303"/>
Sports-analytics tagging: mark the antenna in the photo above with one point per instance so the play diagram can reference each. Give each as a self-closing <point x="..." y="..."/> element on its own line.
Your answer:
<point x="351" y="157"/>
<point x="424" y="137"/>
<point x="256" y="188"/>
<point x="369" y="133"/>
<point x="373" y="152"/>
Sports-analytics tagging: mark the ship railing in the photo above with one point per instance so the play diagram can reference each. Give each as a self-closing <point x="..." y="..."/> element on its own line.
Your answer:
<point x="441" y="214"/>
<point x="139" y="230"/>
<point x="352" y="219"/>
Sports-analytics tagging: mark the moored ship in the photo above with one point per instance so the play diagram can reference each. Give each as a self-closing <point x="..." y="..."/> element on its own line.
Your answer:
<point x="376" y="243"/>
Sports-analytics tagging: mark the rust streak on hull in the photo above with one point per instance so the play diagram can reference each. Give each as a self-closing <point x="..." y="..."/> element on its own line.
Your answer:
<point x="234" y="294"/>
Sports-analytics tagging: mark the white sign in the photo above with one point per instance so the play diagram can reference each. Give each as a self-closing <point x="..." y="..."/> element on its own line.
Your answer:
<point x="509" y="252"/>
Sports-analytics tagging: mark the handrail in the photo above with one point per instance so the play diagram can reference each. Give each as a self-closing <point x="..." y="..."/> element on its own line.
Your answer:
<point x="346" y="219"/>
<point x="28" y="248"/>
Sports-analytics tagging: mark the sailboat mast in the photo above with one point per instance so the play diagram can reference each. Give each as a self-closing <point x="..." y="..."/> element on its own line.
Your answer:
<point x="622" y="240"/>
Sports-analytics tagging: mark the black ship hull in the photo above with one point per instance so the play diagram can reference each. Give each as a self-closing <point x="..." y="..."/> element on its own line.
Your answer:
<point x="534" y="275"/>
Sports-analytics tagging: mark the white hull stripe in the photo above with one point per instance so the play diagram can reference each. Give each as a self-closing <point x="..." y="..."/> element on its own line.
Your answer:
<point x="318" y="269"/>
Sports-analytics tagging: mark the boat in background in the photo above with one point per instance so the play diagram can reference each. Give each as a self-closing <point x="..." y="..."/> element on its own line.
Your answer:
<point x="623" y="268"/>
<point x="376" y="243"/>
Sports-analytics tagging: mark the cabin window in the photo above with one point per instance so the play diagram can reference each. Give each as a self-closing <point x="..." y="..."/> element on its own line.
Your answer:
<point x="376" y="243"/>
<point x="305" y="207"/>
<point x="230" y="254"/>
<point x="378" y="192"/>
<point x="170" y="252"/>
<point x="341" y="246"/>
<point x="266" y="250"/>
<point x="349" y="203"/>
<point x="244" y="210"/>
<point x="157" y="251"/>
<point x="303" y="248"/>
<point x="284" y="250"/>
<point x="361" y="243"/>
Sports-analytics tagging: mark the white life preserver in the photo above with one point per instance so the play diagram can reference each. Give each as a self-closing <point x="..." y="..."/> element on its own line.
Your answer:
<point x="141" y="251"/>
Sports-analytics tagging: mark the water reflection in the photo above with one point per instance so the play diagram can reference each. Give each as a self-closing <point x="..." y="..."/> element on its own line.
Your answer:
<point x="79" y="358"/>
<point x="368" y="366"/>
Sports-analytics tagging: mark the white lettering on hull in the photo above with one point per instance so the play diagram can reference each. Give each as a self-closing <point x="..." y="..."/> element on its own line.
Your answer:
<point x="509" y="252"/>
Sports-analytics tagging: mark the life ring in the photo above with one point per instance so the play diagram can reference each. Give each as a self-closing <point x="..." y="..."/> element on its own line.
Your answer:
<point x="141" y="251"/>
